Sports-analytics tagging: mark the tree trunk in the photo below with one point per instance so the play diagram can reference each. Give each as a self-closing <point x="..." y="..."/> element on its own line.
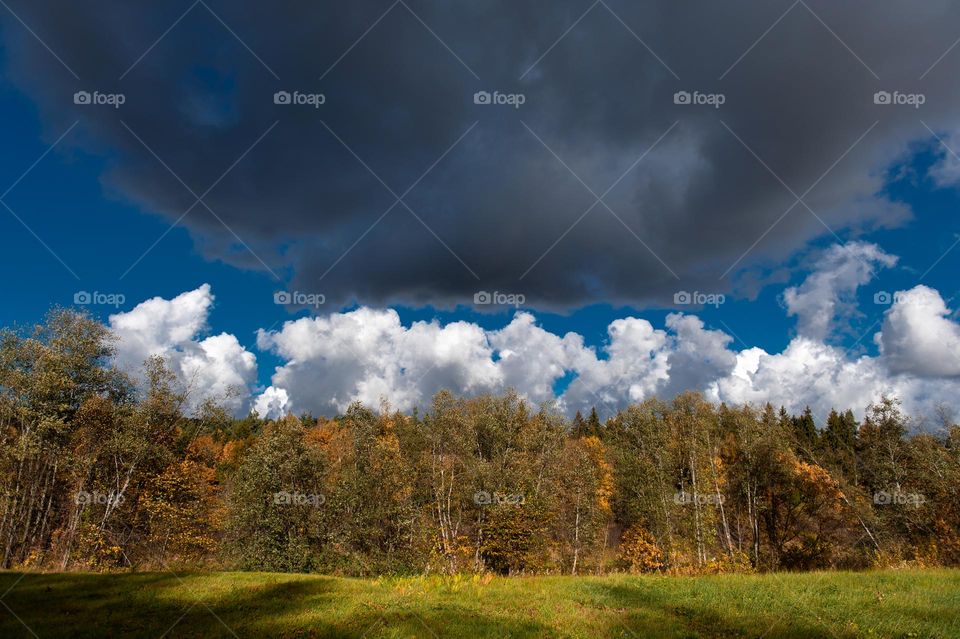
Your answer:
<point x="576" y="536"/>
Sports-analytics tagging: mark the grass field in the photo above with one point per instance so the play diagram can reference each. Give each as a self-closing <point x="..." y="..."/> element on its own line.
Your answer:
<point x="874" y="604"/>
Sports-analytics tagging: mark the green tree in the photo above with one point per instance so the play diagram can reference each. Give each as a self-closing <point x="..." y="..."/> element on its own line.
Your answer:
<point x="275" y="503"/>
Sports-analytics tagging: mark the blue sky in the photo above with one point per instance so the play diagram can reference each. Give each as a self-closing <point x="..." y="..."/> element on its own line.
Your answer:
<point x="491" y="199"/>
<point x="99" y="237"/>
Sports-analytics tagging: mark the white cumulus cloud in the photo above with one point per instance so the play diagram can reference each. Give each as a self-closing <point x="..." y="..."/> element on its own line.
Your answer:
<point x="918" y="337"/>
<point x="272" y="403"/>
<point x="369" y="355"/>
<point x="212" y="367"/>
<point x="826" y="296"/>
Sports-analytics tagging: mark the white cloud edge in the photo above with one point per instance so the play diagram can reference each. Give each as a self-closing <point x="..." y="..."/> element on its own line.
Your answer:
<point x="368" y="354"/>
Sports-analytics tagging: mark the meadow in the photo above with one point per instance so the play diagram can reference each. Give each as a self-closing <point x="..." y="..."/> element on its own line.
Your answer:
<point x="887" y="603"/>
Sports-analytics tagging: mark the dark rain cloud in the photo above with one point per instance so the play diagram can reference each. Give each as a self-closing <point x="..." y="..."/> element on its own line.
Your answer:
<point x="690" y="188"/>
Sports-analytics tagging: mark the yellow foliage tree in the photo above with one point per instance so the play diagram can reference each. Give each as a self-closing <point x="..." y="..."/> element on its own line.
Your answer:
<point x="639" y="551"/>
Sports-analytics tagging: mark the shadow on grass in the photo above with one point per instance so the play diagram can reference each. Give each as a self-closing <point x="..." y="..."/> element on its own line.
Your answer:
<point x="230" y="605"/>
<point x="156" y="605"/>
<point x="654" y="612"/>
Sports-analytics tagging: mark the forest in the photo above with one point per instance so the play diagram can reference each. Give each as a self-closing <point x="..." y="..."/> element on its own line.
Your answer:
<point x="104" y="471"/>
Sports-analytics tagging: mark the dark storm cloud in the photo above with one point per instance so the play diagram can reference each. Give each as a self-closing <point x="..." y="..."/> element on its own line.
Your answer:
<point x="495" y="207"/>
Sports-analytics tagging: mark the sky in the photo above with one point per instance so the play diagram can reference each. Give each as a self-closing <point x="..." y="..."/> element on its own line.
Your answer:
<point x="592" y="202"/>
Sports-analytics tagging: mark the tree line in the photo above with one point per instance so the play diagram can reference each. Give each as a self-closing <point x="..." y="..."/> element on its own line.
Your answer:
<point x="98" y="472"/>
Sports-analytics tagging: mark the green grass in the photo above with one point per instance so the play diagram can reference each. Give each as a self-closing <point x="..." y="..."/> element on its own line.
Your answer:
<point x="838" y="605"/>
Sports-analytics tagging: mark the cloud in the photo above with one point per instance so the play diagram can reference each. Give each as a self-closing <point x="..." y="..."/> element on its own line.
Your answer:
<point x="919" y="345"/>
<point x="533" y="359"/>
<point x="490" y="207"/>
<point x="821" y="376"/>
<point x="636" y="363"/>
<point x="918" y="337"/>
<point x="272" y="403"/>
<point x="827" y="295"/>
<point x="945" y="172"/>
<point x="213" y="367"/>
<point x="698" y="355"/>
<point x="368" y="354"/>
<point x="807" y="373"/>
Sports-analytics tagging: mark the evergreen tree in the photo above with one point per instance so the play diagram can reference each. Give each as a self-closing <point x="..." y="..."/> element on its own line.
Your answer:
<point x="594" y="428"/>
<point x="805" y="435"/>
<point x="838" y="444"/>
<point x="579" y="426"/>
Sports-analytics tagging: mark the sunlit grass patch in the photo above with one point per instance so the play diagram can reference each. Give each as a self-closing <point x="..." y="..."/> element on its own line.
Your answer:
<point x="828" y="604"/>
